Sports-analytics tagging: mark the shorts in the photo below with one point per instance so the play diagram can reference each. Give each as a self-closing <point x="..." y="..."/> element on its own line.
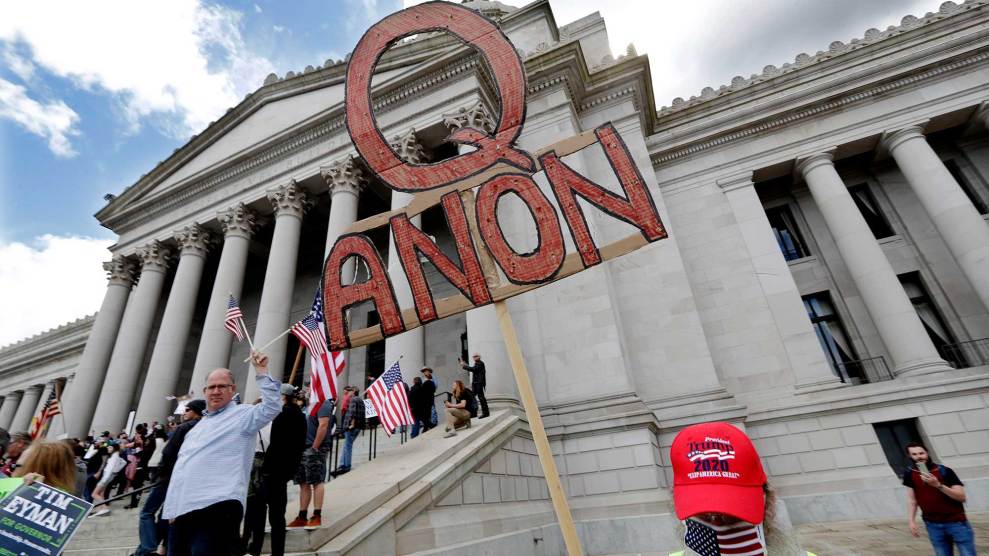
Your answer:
<point x="312" y="469"/>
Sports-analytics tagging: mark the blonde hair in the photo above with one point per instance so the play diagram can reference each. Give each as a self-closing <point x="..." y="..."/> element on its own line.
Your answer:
<point x="52" y="460"/>
<point x="458" y="387"/>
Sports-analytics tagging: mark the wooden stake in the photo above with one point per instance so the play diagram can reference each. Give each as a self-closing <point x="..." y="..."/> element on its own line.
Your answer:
<point x="556" y="493"/>
<point x="295" y="366"/>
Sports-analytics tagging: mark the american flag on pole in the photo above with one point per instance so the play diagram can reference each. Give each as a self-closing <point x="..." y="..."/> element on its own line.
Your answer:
<point x="326" y="364"/>
<point x="235" y="319"/>
<point x="49" y="410"/>
<point x="390" y="399"/>
<point x="738" y="540"/>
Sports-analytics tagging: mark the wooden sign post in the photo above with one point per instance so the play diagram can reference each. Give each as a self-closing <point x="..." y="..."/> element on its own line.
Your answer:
<point x="469" y="187"/>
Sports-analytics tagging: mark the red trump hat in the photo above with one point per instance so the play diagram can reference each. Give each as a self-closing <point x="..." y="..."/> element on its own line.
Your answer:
<point x="716" y="469"/>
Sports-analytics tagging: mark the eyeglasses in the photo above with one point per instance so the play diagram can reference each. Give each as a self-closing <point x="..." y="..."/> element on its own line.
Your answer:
<point x="215" y="387"/>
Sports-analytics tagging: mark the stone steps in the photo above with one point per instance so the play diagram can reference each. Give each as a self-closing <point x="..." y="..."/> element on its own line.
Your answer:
<point x="399" y="470"/>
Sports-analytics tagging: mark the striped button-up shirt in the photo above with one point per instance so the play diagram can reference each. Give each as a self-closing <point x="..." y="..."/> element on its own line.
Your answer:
<point x="214" y="463"/>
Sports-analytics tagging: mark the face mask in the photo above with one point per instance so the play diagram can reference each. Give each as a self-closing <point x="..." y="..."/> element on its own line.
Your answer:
<point x="708" y="539"/>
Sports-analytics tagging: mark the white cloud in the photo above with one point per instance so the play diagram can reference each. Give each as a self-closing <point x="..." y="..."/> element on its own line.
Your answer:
<point x="257" y="9"/>
<point x="16" y="63"/>
<point x="181" y="58"/>
<point x="277" y="28"/>
<point x="53" y="121"/>
<point x="54" y="281"/>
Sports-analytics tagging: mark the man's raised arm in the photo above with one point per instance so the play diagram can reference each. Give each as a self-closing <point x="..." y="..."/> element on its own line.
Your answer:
<point x="270" y="406"/>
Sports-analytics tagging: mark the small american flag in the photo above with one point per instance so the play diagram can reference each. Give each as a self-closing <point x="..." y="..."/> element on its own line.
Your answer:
<point x="326" y="364"/>
<point x="50" y="410"/>
<point x="235" y="319"/>
<point x="390" y="399"/>
<point x="735" y="540"/>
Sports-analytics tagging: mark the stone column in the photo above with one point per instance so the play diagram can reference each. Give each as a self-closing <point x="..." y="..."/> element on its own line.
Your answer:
<point x="79" y="407"/>
<point x="10" y="402"/>
<point x="169" y="351"/>
<point x="959" y="223"/>
<point x="410" y="345"/>
<point x="483" y="332"/>
<point x="117" y="391"/>
<point x="894" y="316"/>
<point x="807" y="362"/>
<point x="22" y="418"/>
<point x="345" y="180"/>
<point x="290" y="203"/>
<point x="238" y="224"/>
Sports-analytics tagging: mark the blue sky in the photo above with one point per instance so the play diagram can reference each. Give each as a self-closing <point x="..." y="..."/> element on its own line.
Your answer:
<point x="93" y="98"/>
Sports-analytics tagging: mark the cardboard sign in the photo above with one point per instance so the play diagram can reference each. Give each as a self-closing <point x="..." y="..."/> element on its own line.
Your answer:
<point x="39" y="520"/>
<point x="495" y="167"/>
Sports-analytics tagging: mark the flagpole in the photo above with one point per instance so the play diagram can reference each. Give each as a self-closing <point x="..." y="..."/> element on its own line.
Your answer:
<point x="273" y="340"/>
<point x="295" y="366"/>
<point x="243" y="326"/>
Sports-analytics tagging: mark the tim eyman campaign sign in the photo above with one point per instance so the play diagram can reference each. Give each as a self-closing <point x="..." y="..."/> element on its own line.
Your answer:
<point x="37" y="520"/>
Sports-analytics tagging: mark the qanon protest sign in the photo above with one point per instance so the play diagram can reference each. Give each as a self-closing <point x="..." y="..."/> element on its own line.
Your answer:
<point x="495" y="167"/>
<point x="38" y="520"/>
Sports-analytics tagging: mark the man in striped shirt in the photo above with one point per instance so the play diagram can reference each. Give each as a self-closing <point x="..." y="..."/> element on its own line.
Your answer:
<point x="205" y="500"/>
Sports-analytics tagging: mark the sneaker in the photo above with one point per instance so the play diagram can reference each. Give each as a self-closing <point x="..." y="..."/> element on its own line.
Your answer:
<point x="100" y="513"/>
<point x="297" y="522"/>
<point x="315" y="521"/>
<point x="449" y="434"/>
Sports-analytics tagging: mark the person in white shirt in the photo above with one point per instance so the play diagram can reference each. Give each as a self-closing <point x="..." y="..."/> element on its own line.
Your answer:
<point x="114" y="464"/>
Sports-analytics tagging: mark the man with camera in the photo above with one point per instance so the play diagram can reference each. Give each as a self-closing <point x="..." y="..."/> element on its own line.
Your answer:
<point x="477" y="381"/>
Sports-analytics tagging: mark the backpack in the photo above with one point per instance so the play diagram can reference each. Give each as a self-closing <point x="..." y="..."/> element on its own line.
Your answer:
<point x="471" y="406"/>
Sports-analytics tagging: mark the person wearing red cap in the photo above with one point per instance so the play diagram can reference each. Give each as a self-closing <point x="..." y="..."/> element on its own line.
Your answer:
<point x="721" y="495"/>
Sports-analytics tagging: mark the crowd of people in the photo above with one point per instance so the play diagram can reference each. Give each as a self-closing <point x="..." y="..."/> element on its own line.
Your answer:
<point x="246" y="454"/>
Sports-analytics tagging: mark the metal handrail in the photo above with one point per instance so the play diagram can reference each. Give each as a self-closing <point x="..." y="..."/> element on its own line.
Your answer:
<point x="972" y="353"/>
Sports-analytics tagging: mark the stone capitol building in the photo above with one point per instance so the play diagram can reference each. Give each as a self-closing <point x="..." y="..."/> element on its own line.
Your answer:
<point x="825" y="285"/>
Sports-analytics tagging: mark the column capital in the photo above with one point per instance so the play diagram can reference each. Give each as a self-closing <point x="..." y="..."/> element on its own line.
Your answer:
<point x="238" y="221"/>
<point x="408" y="148"/>
<point x="120" y="270"/>
<point x="892" y="139"/>
<point x="737" y="181"/>
<point x="807" y="163"/>
<point x="290" y="200"/>
<point x="476" y="116"/>
<point x="194" y="240"/>
<point x="344" y="176"/>
<point x="154" y="256"/>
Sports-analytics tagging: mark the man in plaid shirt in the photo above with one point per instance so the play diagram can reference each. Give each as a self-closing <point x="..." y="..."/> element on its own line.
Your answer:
<point x="353" y="423"/>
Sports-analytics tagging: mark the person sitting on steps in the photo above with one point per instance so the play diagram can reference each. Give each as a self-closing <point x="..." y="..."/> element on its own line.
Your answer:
<point x="459" y="408"/>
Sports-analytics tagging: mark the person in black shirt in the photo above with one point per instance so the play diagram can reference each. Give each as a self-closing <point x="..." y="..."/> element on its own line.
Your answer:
<point x="940" y="495"/>
<point x="477" y="382"/>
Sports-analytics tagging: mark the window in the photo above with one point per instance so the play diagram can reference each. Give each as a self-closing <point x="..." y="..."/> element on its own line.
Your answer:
<point x="831" y="334"/>
<point x="867" y="205"/>
<point x="931" y="319"/>
<point x="894" y="437"/>
<point x="786" y="232"/>
<point x="966" y="186"/>
<point x="463" y="346"/>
